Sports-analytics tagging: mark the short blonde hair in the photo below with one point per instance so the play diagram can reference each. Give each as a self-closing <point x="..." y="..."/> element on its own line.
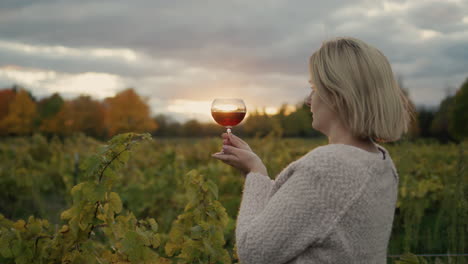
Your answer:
<point x="356" y="81"/>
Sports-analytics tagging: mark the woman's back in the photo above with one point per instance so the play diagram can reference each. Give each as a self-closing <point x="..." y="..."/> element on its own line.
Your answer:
<point x="334" y="205"/>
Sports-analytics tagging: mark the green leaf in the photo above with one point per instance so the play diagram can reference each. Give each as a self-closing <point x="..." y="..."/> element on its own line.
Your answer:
<point x="171" y="248"/>
<point x="213" y="188"/>
<point x="5" y="249"/>
<point x="16" y="247"/>
<point x="76" y="191"/>
<point x="155" y="241"/>
<point x="115" y="203"/>
<point x="93" y="192"/>
<point x="67" y="214"/>
<point x="133" y="245"/>
<point x="124" y="156"/>
<point x="109" y="177"/>
<point x="208" y="247"/>
<point x="149" y="254"/>
<point x="34" y="226"/>
<point x="64" y="229"/>
<point x="20" y="225"/>
<point x="153" y="224"/>
<point x="91" y="164"/>
<point x="196" y="232"/>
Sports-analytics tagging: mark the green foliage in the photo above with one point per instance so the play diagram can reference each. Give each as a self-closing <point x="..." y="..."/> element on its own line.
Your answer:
<point x="197" y="236"/>
<point x="152" y="182"/>
<point x="432" y="200"/>
<point x="94" y="231"/>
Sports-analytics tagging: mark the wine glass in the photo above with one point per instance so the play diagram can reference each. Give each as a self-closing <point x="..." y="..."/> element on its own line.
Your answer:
<point x="228" y="112"/>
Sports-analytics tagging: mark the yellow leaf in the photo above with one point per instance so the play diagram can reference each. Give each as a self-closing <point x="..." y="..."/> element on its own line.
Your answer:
<point x="115" y="202"/>
<point x="67" y="214"/>
<point x="64" y="229"/>
<point x="20" y="225"/>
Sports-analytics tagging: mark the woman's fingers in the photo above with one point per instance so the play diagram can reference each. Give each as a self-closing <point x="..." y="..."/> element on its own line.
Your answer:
<point x="221" y="156"/>
<point x="234" y="157"/>
<point x="235" y="141"/>
<point x="225" y="157"/>
<point x="231" y="150"/>
<point x="241" y="159"/>
<point x="229" y="153"/>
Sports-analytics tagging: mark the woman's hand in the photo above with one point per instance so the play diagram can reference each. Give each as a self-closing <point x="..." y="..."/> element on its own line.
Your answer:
<point x="238" y="154"/>
<point x="233" y="140"/>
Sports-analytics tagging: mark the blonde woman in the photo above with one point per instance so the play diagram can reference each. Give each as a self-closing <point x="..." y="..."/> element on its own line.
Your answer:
<point x="336" y="203"/>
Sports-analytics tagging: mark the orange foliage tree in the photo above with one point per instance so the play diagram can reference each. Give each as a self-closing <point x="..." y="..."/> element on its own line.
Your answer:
<point x="127" y="112"/>
<point x="6" y="97"/>
<point x="82" y="114"/>
<point x="20" y="117"/>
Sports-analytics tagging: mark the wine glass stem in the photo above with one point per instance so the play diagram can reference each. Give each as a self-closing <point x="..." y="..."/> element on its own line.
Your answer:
<point x="229" y="130"/>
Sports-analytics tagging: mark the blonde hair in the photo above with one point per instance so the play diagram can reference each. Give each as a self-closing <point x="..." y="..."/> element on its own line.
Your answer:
<point x="356" y="81"/>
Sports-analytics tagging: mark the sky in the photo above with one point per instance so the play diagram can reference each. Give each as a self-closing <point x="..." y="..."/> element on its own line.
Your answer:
<point x="181" y="55"/>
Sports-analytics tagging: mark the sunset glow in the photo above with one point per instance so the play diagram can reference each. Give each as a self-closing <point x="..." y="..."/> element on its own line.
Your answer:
<point x="189" y="106"/>
<point x="226" y="107"/>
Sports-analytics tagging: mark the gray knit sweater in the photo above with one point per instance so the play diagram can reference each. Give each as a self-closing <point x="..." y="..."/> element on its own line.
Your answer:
<point x="333" y="205"/>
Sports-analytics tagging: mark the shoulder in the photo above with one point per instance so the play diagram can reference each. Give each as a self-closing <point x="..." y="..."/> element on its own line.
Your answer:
<point x="334" y="160"/>
<point x="331" y="154"/>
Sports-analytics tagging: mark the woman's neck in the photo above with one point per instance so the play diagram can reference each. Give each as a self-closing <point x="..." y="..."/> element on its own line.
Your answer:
<point x="338" y="135"/>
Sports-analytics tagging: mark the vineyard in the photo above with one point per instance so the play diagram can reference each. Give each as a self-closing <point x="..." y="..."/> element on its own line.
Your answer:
<point x="136" y="199"/>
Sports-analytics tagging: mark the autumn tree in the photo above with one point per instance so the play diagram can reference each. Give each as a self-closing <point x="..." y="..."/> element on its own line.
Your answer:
<point x="6" y="97"/>
<point x="298" y="122"/>
<point x="127" y="112"/>
<point x="47" y="108"/>
<point x="60" y="123"/>
<point x="440" y="124"/>
<point x="458" y="126"/>
<point x="425" y="118"/>
<point x="50" y="106"/>
<point x="260" y="124"/>
<point x="20" y="117"/>
<point x="82" y="114"/>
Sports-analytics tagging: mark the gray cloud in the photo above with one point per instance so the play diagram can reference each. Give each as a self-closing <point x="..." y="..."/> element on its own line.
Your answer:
<point x="239" y="36"/>
<point x="256" y="49"/>
<point x="443" y="16"/>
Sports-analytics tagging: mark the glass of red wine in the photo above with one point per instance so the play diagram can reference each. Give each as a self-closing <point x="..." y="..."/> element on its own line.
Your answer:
<point x="228" y="112"/>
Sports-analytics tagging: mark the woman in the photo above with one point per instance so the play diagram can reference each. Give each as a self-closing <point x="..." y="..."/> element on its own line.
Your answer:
<point x="336" y="203"/>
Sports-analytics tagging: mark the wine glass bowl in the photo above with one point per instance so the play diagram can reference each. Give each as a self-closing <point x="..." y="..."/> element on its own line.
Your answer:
<point x="228" y="112"/>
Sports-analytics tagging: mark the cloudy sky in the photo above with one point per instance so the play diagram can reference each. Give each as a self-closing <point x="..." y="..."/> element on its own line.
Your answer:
<point x="183" y="54"/>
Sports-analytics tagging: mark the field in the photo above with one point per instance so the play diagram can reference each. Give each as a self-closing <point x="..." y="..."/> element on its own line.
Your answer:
<point x="192" y="197"/>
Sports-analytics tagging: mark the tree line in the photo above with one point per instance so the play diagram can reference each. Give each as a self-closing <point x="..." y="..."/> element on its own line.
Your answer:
<point x="22" y="114"/>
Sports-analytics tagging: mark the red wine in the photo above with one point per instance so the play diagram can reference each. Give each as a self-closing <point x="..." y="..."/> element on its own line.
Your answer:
<point x="228" y="118"/>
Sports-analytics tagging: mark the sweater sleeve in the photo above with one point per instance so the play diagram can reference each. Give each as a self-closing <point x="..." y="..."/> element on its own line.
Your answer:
<point x="256" y="191"/>
<point x="300" y="214"/>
